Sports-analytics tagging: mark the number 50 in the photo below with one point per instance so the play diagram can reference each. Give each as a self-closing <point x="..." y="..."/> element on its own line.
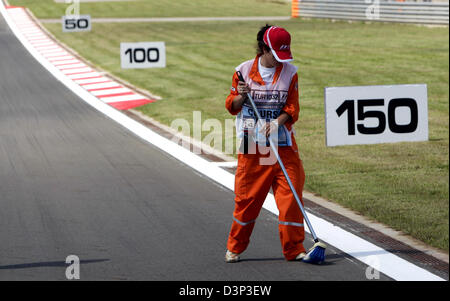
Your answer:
<point x="74" y="23"/>
<point x="349" y="105"/>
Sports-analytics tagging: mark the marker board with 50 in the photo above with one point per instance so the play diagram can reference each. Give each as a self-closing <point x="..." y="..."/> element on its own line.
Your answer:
<point x="76" y="23"/>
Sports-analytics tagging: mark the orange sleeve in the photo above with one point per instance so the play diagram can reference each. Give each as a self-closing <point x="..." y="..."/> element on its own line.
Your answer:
<point x="232" y="95"/>
<point x="292" y="107"/>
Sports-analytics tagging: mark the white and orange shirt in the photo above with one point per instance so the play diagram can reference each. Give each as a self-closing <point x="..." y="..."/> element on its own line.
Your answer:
<point x="270" y="99"/>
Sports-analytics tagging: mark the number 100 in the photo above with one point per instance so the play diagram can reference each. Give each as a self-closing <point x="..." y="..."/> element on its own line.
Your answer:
<point x="141" y="55"/>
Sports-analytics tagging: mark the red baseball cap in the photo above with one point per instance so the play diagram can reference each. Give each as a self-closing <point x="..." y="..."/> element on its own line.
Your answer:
<point x="279" y="41"/>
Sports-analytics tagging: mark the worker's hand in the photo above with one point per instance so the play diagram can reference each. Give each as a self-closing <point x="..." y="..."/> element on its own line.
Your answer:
<point x="269" y="127"/>
<point x="243" y="89"/>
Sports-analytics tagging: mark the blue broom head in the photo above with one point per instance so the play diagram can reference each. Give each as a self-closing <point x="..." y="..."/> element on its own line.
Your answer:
<point x="316" y="254"/>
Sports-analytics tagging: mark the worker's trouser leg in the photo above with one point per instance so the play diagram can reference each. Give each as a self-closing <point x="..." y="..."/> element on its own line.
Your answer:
<point x="252" y="184"/>
<point x="290" y="218"/>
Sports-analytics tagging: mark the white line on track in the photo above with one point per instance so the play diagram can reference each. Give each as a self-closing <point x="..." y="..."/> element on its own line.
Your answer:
<point x="62" y="59"/>
<point x="82" y="75"/>
<point x="47" y="46"/>
<point x="100" y="86"/>
<point x="110" y="91"/>
<point x="44" y="44"/>
<point x="52" y="53"/>
<point x="46" y="49"/>
<point x="77" y="70"/>
<point x="90" y="81"/>
<point x="225" y="164"/>
<point x="59" y="54"/>
<point x="36" y="40"/>
<point x="366" y="252"/>
<point x="73" y="66"/>
<point x="179" y="19"/>
<point x="122" y="98"/>
<point x="67" y="63"/>
<point x="34" y="35"/>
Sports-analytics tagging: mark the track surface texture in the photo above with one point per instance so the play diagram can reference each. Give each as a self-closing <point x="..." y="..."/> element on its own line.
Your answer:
<point x="74" y="182"/>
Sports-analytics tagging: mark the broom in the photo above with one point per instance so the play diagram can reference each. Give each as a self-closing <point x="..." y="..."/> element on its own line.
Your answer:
<point x="317" y="252"/>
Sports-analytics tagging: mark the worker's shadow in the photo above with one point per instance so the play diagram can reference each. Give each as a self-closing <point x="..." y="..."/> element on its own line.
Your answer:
<point x="46" y="264"/>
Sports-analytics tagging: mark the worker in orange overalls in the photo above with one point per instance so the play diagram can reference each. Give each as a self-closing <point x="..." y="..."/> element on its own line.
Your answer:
<point x="273" y="84"/>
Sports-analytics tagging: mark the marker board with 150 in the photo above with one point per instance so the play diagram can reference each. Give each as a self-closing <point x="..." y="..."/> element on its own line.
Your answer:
<point x="376" y="114"/>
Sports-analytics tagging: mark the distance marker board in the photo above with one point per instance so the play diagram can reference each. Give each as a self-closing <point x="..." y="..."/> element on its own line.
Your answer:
<point x="376" y="114"/>
<point x="143" y="55"/>
<point x="76" y="23"/>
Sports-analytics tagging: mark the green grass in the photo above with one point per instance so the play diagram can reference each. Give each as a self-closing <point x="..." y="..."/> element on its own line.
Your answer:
<point x="404" y="185"/>
<point x="162" y="8"/>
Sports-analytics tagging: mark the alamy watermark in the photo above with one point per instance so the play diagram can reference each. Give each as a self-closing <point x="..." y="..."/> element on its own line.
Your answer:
<point x="373" y="269"/>
<point x="73" y="270"/>
<point x="73" y="10"/>
<point x="213" y="132"/>
<point x="373" y="10"/>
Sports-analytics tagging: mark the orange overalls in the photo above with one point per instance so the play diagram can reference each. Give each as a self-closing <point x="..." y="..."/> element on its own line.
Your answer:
<point x="253" y="180"/>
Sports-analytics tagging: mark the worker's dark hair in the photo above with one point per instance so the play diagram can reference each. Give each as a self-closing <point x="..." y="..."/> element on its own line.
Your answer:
<point x="260" y="39"/>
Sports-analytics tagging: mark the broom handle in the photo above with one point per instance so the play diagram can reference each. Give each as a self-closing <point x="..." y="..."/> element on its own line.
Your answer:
<point x="275" y="151"/>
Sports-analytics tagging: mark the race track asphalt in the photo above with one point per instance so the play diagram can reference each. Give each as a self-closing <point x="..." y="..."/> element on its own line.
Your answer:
<point x="72" y="181"/>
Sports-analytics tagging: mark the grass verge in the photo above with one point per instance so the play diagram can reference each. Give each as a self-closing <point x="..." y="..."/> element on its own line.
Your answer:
<point x="161" y="8"/>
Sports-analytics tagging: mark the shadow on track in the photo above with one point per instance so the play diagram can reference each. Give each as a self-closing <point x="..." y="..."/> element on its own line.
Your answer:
<point x="46" y="264"/>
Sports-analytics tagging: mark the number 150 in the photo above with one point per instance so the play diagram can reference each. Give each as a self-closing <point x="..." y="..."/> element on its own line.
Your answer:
<point x="349" y="105"/>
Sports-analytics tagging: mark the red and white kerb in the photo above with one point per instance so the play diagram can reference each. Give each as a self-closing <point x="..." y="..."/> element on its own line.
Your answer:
<point x="102" y="87"/>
